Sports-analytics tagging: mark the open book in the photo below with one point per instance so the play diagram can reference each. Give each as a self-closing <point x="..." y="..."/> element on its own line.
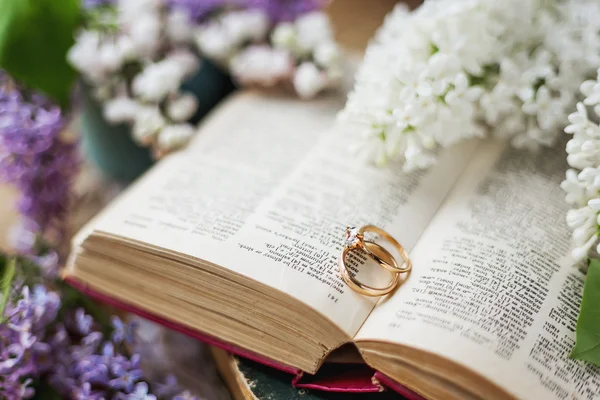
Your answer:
<point x="237" y="237"/>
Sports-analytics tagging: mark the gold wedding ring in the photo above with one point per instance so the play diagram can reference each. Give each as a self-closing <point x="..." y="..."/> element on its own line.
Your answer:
<point x="406" y="265"/>
<point x="360" y="287"/>
<point x="355" y="241"/>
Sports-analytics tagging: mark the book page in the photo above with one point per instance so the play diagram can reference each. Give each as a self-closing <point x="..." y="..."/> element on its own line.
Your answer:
<point x="491" y="288"/>
<point x="267" y="189"/>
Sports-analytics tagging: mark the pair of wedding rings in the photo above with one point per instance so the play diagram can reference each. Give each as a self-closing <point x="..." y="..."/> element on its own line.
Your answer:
<point x="355" y="241"/>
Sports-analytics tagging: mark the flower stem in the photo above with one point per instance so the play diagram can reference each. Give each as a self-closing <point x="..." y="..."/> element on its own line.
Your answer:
<point x="8" y="275"/>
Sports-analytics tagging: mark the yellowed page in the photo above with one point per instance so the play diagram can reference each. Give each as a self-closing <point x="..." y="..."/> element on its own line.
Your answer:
<point x="266" y="192"/>
<point x="488" y="289"/>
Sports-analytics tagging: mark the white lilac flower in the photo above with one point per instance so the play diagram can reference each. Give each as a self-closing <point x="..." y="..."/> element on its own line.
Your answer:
<point x="120" y="109"/>
<point x="174" y="136"/>
<point x="584" y="147"/>
<point x="576" y="189"/>
<point x="135" y="56"/>
<point x="327" y="54"/>
<point x="264" y="52"/>
<point x="156" y="81"/>
<point x="245" y="25"/>
<point x="584" y="223"/>
<point x="309" y="80"/>
<point x="453" y="70"/>
<point x="110" y="57"/>
<point x="221" y="38"/>
<point x="130" y="10"/>
<point x="591" y="90"/>
<point x="582" y="183"/>
<point x="182" y="108"/>
<point x="159" y="79"/>
<point x="262" y="65"/>
<point x="84" y="56"/>
<point x="179" y="28"/>
<point x="214" y="41"/>
<point x="149" y="121"/>
<point x="284" y="35"/>
<point x="184" y="60"/>
<point x="134" y="60"/>
<point x="145" y="34"/>
<point x="311" y="29"/>
<point x="126" y="48"/>
<point x="462" y="95"/>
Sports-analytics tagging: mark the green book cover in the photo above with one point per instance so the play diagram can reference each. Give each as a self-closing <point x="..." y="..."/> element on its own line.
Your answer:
<point x="250" y="380"/>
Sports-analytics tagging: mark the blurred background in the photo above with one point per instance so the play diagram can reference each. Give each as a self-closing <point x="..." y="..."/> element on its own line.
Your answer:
<point x="354" y="23"/>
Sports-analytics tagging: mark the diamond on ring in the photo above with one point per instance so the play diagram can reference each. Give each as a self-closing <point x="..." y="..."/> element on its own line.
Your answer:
<point x="353" y="237"/>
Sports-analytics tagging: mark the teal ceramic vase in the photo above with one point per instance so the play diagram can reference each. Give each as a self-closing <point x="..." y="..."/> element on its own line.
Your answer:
<point x="111" y="147"/>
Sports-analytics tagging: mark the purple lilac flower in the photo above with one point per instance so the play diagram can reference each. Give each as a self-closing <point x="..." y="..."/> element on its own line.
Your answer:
<point x="107" y="367"/>
<point x="277" y="10"/>
<point x="11" y="356"/>
<point x="83" y="322"/>
<point x="107" y="353"/>
<point x="23" y="352"/>
<point x="141" y="393"/>
<point x="36" y="158"/>
<point x="61" y="379"/>
<point x="48" y="263"/>
<point x="34" y="313"/>
<point x="168" y="388"/>
<point x="60" y="338"/>
<point x="87" y="346"/>
<point x="33" y="344"/>
<point x="92" y="371"/>
<point x="123" y="333"/>
<point x="21" y="238"/>
<point x="85" y="393"/>
<point x="286" y="10"/>
<point x="14" y="389"/>
<point x="125" y="378"/>
<point x="42" y="356"/>
<point x="42" y="164"/>
<point x="44" y="306"/>
<point x="199" y="10"/>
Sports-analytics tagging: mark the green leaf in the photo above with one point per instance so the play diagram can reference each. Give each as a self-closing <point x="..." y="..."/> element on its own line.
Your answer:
<point x="9" y="270"/>
<point x="587" y="346"/>
<point x="35" y="36"/>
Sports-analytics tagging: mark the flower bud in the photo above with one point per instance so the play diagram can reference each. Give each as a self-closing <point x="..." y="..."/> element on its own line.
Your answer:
<point x="182" y="108"/>
<point x="175" y="136"/>
<point x="309" y="81"/>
